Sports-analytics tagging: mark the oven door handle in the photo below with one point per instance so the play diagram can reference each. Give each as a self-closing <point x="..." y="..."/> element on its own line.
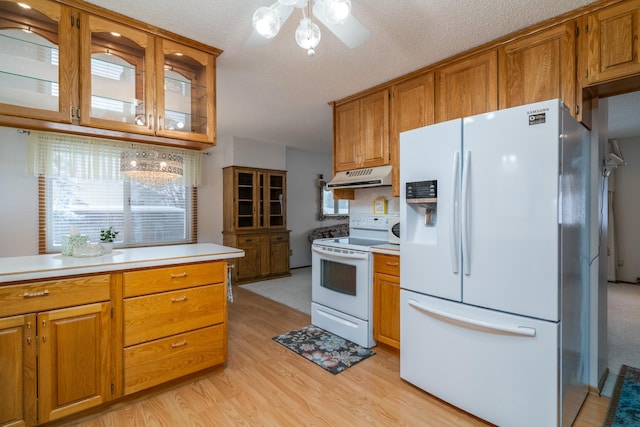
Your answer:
<point x="337" y="255"/>
<point x="337" y="319"/>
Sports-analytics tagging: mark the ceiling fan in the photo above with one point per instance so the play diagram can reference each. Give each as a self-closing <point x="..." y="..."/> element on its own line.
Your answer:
<point x="334" y="14"/>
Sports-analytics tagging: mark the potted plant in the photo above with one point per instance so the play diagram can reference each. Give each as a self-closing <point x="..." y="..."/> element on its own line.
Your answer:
<point x="106" y="239"/>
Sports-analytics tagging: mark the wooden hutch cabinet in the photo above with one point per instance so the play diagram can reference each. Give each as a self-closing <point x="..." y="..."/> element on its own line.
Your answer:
<point x="254" y="220"/>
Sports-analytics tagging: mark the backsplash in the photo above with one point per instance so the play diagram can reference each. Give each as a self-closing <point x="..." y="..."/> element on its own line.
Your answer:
<point x="364" y="197"/>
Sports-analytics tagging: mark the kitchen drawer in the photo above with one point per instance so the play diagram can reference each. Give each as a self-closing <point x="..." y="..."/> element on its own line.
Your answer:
<point x="387" y="264"/>
<point x="143" y="282"/>
<point x="40" y="296"/>
<point x="279" y="237"/>
<point x="159" y="315"/>
<point x="251" y="239"/>
<point x="155" y="362"/>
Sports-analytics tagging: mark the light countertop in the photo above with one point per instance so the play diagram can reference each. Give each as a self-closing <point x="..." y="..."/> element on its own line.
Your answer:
<point x="57" y="265"/>
<point x="387" y="248"/>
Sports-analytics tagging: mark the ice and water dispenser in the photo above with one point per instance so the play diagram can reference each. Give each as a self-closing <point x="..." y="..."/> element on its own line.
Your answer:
<point x="422" y="196"/>
<point x="420" y="222"/>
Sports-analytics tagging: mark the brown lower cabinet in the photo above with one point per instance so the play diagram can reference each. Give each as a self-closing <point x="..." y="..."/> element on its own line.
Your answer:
<point x="54" y="360"/>
<point x="71" y="344"/>
<point x="386" y="299"/>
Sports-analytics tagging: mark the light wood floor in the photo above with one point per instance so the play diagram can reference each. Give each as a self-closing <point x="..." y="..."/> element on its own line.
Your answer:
<point x="264" y="384"/>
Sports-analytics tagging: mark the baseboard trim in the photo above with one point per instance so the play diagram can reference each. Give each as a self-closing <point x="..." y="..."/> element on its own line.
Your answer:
<point x="603" y="379"/>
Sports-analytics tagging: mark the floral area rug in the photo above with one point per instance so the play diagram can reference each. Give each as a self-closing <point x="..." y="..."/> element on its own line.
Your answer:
<point x="326" y="350"/>
<point x="624" y="409"/>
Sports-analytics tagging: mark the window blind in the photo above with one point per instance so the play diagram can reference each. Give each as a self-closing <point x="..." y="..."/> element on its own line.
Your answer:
<point x="83" y="187"/>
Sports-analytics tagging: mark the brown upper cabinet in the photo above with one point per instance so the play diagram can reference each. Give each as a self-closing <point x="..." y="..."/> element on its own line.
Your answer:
<point x="75" y="66"/>
<point x="37" y="74"/>
<point x="412" y="107"/>
<point x="185" y="92"/>
<point x="117" y="76"/>
<point x="467" y="87"/>
<point x="361" y="132"/>
<point x="539" y="67"/>
<point x="613" y="50"/>
<point x="134" y="82"/>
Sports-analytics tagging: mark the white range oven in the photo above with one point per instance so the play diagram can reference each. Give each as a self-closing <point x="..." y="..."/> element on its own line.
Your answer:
<point x="341" y="279"/>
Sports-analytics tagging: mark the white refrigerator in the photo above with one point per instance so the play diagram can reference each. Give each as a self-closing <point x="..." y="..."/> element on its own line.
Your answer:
<point x="495" y="254"/>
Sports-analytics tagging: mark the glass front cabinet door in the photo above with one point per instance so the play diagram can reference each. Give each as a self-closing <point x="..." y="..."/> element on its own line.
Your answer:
<point x="185" y="92"/>
<point x="36" y="60"/>
<point x="116" y="82"/>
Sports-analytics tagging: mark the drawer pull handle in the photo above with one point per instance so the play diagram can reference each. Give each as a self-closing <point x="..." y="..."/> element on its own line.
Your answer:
<point x="36" y="294"/>
<point x="392" y="264"/>
<point x="179" y="299"/>
<point x="248" y="240"/>
<point x="29" y="333"/>
<point x="178" y="344"/>
<point x="178" y="276"/>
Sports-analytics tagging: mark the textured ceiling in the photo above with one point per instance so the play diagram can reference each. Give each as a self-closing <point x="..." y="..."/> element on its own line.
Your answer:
<point x="279" y="94"/>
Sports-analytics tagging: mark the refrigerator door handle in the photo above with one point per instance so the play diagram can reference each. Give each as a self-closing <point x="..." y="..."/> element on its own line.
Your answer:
<point x="510" y="329"/>
<point x="464" y="214"/>
<point x="454" y="238"/>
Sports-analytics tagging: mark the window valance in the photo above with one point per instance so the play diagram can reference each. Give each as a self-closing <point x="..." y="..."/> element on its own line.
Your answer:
<point x="72" y="156"/>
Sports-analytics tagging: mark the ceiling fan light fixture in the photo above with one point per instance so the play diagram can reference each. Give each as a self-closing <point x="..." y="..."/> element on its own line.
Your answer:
<point x="337" y="11"/>
<point x="307" y="35"/>
<point x="266" y="21"/>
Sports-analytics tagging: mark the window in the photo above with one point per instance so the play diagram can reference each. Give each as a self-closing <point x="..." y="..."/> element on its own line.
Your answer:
<point x="81" y="186"/>
<point x="330" y="208"/>
<point x="143" y="216"/>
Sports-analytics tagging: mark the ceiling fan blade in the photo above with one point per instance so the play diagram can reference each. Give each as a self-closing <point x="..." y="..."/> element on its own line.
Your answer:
<point x="352" y="33"/>
<point x="256" y="40"/>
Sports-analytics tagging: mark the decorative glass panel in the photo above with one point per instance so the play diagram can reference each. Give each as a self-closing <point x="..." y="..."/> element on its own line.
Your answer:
<point x="117" y="79"/>
<point x="29" y="73"/>
<point x="185" y="94"/>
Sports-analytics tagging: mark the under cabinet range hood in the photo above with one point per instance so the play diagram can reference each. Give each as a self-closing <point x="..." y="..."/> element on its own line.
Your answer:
<point x="361" y="178"/>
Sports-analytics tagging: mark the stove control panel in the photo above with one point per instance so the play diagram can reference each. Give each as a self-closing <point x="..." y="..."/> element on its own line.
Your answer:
<point x="370" y="222"/>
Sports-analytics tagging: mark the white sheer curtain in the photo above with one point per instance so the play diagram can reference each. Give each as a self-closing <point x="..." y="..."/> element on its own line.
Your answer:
<point x="71" y="156"/>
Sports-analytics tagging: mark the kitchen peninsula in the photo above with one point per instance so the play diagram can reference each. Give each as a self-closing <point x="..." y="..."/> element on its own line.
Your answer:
<point x="77" y="334"/>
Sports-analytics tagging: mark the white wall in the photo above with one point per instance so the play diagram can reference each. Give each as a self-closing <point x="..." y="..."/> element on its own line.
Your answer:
<point x="626" y="205"/>
<point x="18" y="197"/>
<point x="303" y="170"/>
<point x="19" y="191"/>
<point x="598" y="358"/>
<point x="363" y="203"/>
